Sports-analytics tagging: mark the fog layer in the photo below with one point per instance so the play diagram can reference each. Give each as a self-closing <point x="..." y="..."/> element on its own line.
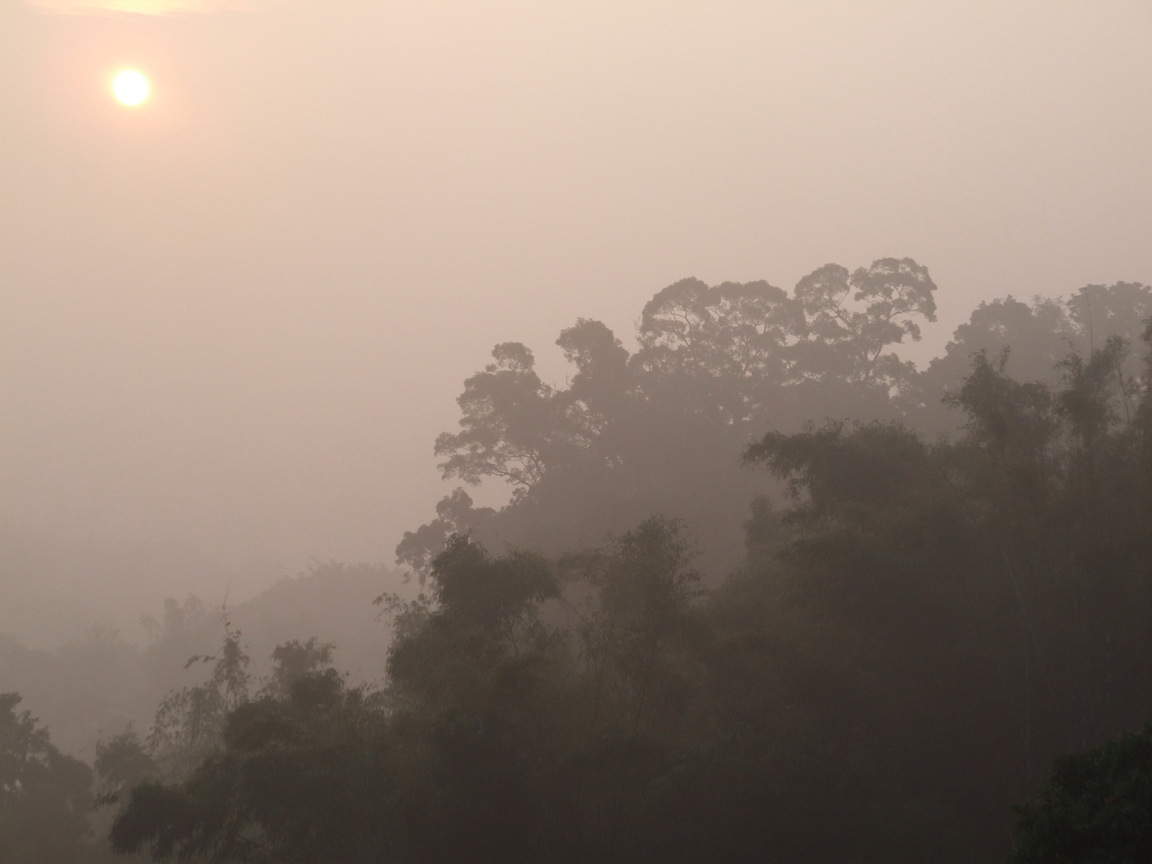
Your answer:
<point x="235" y="321"/>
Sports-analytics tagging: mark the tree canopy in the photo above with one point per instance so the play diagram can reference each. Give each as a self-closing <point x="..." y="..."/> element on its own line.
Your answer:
<point x="902" y="629"/>
<point x="44" y="794"/>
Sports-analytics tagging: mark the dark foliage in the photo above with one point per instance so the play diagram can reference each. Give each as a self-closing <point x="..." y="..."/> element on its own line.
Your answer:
<point x="44" y="794"/>
<point x="1096" y="808"/>
<point x="919" y="627"/>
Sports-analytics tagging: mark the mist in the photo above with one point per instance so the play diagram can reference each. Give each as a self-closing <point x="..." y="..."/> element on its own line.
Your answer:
<point x="368" y="295"/>
<point x="236" y="321"/>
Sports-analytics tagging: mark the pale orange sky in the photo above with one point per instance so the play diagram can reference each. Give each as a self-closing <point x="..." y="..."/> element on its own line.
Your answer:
<point x="140" y="7"/>
<point x="238" y="317"/>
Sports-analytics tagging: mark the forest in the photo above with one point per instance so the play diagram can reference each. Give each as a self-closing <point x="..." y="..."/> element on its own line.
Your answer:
<point x="762" y="590"/>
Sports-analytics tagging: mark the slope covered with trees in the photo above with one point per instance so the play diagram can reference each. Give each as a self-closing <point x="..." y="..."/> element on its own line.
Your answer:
<point x="746" y="603"/>
<point x="917" y="626"/>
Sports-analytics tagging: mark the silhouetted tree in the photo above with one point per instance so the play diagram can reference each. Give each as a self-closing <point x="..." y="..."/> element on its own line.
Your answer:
<point x="190" y="721"/>
<point x="853" y="318"/>
<point x="511" y="427"/>
<point x="44" y="794"/>
<point x="1095" y="809"/>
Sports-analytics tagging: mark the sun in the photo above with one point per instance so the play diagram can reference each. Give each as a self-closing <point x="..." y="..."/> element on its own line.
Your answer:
<point x="131" y="87"/>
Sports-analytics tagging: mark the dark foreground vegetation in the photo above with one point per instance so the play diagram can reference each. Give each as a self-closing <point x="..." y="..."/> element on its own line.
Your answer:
<point x="934" y="584"/>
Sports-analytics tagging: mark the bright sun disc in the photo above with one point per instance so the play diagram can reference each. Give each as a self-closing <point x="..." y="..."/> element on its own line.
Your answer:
<point x="131" y="87"/>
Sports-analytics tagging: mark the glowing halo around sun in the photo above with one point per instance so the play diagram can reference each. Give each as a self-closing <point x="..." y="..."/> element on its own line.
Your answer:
<point x="131" y="87"/>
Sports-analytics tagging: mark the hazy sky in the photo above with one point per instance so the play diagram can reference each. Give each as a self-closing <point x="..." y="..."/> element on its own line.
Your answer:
<point x="238" y="316"/>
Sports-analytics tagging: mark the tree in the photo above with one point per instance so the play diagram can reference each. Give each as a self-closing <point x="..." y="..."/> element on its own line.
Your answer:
<point x="297" y="779"/>
<point x="122" y="762"/>
<point x="660" y="431"/>
<point x="1095" y="809"/>
<point x="299" y="774"/>
<point x="1041" y="335"/>
<point x="726" y="348"/>
<point x="865" y="467"/>
<point x="1016" y="430"/>
<point x="44" y="794"/>
<point x="454" y="515"/>
<point x="1088" y="399"/>
<point x="853" y="318"/>
<point x="1142" y="420"/>
<point x="510" y="425"/>
<point x="602" y="386"/>
<point x="481" y="615"/>
<point x="1101" y="312"/>
<point x="1037" y="337"/>
<point x="190" y="721"/>
<point x="293" y="661"/>
<point x="636" y="621"/>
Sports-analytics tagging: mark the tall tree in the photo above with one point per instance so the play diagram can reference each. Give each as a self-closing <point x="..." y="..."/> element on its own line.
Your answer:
<point x="190" y="721"/>
<point x="726" y="348"/>
<point x="44" y="794"/>
<point x="853" y="318"/>
<point x="601" y="391"/>
<point x="511" y="427"/>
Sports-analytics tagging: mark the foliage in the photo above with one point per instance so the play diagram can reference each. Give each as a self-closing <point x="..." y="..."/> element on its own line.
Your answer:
<point x="190" y="721"/>
<point x="509" y="423"/>
<point x="731" y="341"/>
<point x="269" y="778"/>
<point x="853" y="318"/>
<point x="294" y="661"/>
<point x="992" y="592"/>
<point x="1095" y="809"/>
<point x="660" y="430"/>
<point x="455" y="515"/>
<point x="122" y="762"/>
<point x="296" y="779"/>
<point x="918" y="623"/>
<point x="44" y="794"/>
